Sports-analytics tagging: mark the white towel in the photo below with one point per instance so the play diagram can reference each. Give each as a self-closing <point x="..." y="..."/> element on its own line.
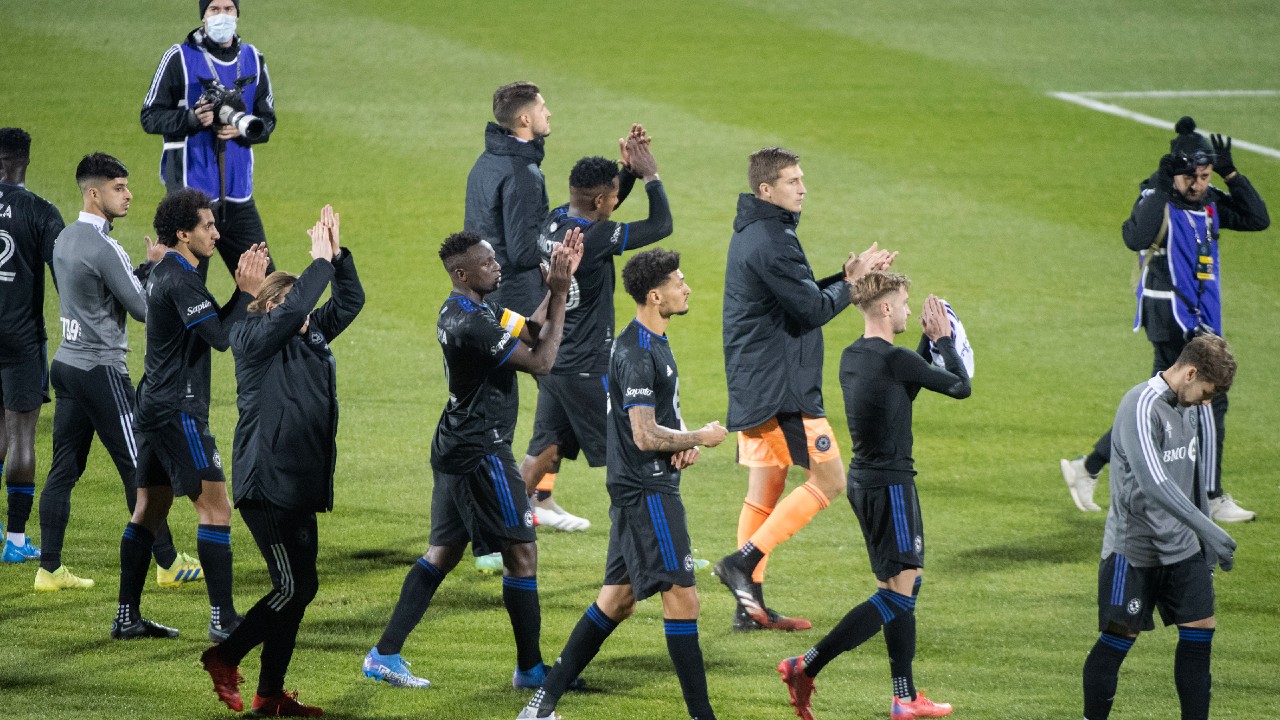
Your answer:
<point x="962" y="342"/>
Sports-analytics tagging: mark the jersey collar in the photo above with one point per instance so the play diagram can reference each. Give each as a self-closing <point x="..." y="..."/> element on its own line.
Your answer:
<point x="181" y="260"/>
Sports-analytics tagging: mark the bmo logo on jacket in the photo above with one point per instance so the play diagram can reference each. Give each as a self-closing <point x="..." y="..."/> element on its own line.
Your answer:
<point x="1181" y="453"/>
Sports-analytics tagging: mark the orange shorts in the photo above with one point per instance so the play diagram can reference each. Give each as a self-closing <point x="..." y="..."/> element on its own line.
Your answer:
<point x="787" y="439"/>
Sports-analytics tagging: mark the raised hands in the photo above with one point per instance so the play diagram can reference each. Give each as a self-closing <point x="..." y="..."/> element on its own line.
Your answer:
<point x="564" y="262"/>
<point x="934" y="320"/>
<point x="252" y="269"/>
<point x="155" y="251"/>
<point x="626" y="145"/>
<point x="325" y="236"/>
<point x="869" y="260"/>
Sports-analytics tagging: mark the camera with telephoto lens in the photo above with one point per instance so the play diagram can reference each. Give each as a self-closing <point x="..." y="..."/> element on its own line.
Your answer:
<point x="229" y="109"/>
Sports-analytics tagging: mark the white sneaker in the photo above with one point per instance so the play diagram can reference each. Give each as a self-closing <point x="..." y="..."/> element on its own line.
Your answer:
<point x="549" y="514"/>
<point x="1080" y="483"/>
<point x="529" y="713"/>
<point x="1225" y="510"/>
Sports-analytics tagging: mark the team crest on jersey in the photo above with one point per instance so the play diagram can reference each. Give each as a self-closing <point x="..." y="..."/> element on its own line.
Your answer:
<point x="822" y="444"/>
<point x="217" y="459"/>
<point x="1134" y="606"/>
<point x="688" y="563"/>
<point x="919" y="544"/>
<point x="528" y="518"/>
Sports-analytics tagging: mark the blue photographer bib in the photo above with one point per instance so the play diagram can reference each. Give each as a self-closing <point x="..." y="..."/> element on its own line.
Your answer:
<point x="1191" y="253"/>
<point x="199" y="159"/>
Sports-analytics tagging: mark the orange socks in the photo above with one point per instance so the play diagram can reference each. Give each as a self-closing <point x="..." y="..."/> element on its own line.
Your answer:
<point x="547" y="483"/>
<point x="752" y="517"/>
<point x="794" y="512"/>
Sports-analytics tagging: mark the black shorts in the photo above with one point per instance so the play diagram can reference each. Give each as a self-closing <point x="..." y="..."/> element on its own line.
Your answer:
<point x="24" y="385"/>
<point x="649" y="546"/>
<point x="182" y="454"/>
<point x="486" y="507"/>
<point x="1182" y="591"/>
<point x="891" y="526"/>
<point x="572" y="413"/>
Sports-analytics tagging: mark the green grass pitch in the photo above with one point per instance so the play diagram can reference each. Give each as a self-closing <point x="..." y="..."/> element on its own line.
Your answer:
<point x="924" y="126"/>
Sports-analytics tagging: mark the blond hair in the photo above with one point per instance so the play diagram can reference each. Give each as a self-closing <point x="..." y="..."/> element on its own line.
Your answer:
<point x="870" y="288"/>
<point x="274" y="288"/>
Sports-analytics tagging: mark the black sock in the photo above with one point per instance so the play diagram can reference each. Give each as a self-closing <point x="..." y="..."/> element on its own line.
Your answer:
<point x="415" y="595"/>
<point x="213" y="545"/>
<point x="1101" y="673"/>
<point x="162" y="549"/>
<point x="686" y="655"/>
<point x="1094" y="462"/>
<point x="588" y="635"/>
<point x="858" y="625"/>
<point x="520" y="596"/>
<point x="749" y="556"/>
<point x="135" y="560"/>
<point x="541" y="495"/>
<point x="1191" y="671"/>
<point x="21" y="498"/>
<point x="900" y="641"/>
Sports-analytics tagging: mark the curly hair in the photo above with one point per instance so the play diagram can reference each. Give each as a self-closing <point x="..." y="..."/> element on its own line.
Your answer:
<point x="648" y="270"/>
<point x="179" y="210"/>
<point x="15" y="143"/>
<point x="590" y="173"/>
<point x="870" y="288"/>
<point x="457" y="245"/>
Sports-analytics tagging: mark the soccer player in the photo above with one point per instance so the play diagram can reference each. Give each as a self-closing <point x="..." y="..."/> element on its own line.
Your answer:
<point x="648" y="447"/>
<point x="880" y="382"/>
<point x="98" y="290"/>
<point x="774" y="310"/>
<point x="284" y="456"/>
<point x="1160" y="546"/>
<point x="572" y="400"/>
<point x="176" y="452"/>
<point x="479" y="496"/>
<point x="29" y="224"/>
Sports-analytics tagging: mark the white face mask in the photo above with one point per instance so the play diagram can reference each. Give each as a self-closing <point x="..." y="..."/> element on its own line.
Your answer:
<point x="221" y="27"/>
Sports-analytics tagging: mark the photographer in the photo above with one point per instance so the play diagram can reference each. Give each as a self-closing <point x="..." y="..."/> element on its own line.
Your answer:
<point x="207" y="144"/>
<point x="284" y="455"/>
<point x="1174" y="228"/>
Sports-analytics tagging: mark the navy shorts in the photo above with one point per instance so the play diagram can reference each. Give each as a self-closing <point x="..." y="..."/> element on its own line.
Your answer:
<point x="182" y="454"/>
<point x="1183" y="592"/>
<point x="486" y="507"/>
<point x="649" y="546"/>
<point x="24" y="385"/>
<point x="891" y="526"/>
<point x="572" y="414"/>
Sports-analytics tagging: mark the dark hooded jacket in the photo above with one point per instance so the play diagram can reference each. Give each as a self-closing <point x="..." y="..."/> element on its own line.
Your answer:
<point x="506" y="204"/>
<point x="774" y="310"/>
<point x="287" y="393"/>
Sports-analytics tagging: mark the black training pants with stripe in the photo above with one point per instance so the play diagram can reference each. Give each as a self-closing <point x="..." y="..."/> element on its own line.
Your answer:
<point x="98" y="401"/>
<point x="287" y="539"/>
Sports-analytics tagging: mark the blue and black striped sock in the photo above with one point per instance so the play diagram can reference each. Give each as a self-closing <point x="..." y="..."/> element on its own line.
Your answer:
<point x="593" y="628"/>
<point x="900" y="641"/>
<point x="419" y="587"/>
<point x="21" y="498"/>
<point x="858" y="625"/>
<point x="1101" y="673"/>
<point x="213" y="545"/>
<point x="520" y="596"/>
<point x="686" y="655"/>
<point x="135" y="560"/>
<point x="1191" y="671"/>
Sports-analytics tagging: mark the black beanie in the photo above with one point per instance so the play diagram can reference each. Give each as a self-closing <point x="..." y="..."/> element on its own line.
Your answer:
<point x="1191" y="143"/>
<point x="204" y="5"/>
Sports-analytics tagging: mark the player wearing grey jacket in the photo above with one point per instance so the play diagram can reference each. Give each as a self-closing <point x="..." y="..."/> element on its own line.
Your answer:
<point x="97" y="289"/>
<point x="1160" y="547"/>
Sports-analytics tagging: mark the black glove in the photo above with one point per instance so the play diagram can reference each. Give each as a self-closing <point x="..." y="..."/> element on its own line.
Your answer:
<point x="1162" y="179"/>
<point x="1222" y="149"/>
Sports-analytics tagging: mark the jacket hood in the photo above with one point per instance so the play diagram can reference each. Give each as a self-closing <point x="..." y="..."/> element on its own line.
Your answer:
<point x="499" y="141"/>
<point x="752" y="209"/>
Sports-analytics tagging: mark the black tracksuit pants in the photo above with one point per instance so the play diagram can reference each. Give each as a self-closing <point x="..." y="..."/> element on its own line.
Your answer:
<point x="287" y="540"/>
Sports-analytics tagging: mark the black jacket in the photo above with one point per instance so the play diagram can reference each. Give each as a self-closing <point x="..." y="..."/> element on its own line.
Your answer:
<point x="506" y="204"/>
<point x="774" y="310"/>
<point x="287" y="391"/>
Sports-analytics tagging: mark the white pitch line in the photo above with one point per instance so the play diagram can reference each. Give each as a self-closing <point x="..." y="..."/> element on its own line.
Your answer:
<point x="1180" y="93"/>
<point x="1083" y="100"/>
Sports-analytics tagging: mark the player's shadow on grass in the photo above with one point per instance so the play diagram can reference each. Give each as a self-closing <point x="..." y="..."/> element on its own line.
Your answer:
<point x="1066" y="546"/>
